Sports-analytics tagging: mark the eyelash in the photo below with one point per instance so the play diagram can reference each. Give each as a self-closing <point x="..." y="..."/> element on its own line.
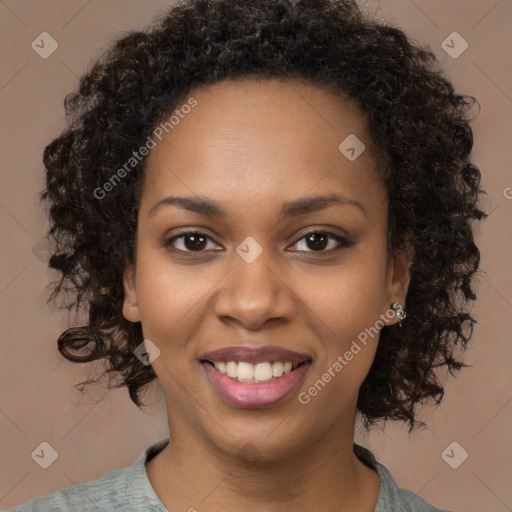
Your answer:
<point x="342" y="241"/>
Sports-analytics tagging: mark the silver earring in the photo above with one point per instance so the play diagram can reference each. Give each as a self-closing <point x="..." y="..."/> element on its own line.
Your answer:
<point x="399" y="312"/>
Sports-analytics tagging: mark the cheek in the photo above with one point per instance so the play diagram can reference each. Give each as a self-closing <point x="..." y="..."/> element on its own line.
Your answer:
<point x="170" y="300"/>
<point x="347" y="309"/>
<point x="350" y="298"/>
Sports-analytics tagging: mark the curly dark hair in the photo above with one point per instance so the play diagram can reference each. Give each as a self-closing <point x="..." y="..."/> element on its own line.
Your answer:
<point x="419" y="125"/>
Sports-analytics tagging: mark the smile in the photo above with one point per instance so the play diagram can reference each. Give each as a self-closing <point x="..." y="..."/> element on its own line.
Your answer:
<point x="255" y="377"/>
<point x="260" y="372"/>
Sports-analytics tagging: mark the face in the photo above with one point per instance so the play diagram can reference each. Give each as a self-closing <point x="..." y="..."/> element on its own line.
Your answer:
<point x="286" y="252"/>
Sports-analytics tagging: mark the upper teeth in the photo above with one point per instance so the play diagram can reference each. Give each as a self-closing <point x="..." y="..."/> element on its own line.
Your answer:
<point x="249" y="372"/>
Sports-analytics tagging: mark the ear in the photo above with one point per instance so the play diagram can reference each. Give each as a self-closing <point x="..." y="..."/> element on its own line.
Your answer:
<point x="398" y="279"/>
<point x="130" y="306"/>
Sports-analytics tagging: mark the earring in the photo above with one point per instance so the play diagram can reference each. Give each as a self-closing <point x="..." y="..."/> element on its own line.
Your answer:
<point x="399" y="312"/>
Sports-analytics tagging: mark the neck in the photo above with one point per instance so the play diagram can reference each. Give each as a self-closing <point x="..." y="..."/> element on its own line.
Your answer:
<point x="192" y="473"/>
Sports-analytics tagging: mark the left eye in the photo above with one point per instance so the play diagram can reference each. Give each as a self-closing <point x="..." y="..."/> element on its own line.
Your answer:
<point x="196" y="241"/>
<point x="320" y="239"/>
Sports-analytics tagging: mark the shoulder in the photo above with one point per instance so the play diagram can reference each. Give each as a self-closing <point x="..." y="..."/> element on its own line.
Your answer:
<point x="392" y="497"/>
<point x="122" y="489"/>
<point x="413" y="503"/>
<point x="105" y="492"/>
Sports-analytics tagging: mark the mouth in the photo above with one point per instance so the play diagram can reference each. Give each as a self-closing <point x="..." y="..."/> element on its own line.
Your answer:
<point x="263" y="371"/>
<point x="249" y="377"/>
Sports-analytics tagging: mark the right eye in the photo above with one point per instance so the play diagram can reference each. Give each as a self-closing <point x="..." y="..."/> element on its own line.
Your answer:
<point x="190" y="241"/>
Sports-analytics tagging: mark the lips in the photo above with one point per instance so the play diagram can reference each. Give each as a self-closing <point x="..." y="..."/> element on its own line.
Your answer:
<point x="255" y="355"/>
<point x="253" y="395"/>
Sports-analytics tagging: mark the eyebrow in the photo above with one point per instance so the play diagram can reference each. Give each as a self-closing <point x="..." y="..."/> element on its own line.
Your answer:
<point x="289" y="209"/>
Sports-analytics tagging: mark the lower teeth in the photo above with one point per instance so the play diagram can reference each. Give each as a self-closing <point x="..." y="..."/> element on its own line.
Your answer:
<point x="253" y="381"/>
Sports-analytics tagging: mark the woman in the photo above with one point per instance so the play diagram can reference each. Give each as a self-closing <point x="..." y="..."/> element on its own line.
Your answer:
<point x="268" y="206"/>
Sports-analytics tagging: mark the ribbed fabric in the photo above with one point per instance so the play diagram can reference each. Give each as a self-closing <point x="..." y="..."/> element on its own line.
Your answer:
<point x="129" y="490"/>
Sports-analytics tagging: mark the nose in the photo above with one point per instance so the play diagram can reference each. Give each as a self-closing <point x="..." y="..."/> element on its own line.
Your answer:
<point x="255" y="293"/>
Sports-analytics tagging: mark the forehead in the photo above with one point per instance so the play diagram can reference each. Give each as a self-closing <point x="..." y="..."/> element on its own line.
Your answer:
<point x="265" y="137"/>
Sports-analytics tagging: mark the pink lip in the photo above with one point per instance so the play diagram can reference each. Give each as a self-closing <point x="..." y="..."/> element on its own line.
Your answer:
<point x="255" y="395"/>
<point x="255" y="355"/>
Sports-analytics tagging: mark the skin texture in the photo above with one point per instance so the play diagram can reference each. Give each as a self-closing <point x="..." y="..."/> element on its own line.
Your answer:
<point x="250" y="146"/>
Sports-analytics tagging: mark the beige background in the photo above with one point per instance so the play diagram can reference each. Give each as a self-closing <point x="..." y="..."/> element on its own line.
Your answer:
<point x="37" y="399"/>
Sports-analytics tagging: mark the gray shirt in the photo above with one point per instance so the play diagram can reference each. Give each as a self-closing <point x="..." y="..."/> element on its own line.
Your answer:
<point x="129" y="490"/>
